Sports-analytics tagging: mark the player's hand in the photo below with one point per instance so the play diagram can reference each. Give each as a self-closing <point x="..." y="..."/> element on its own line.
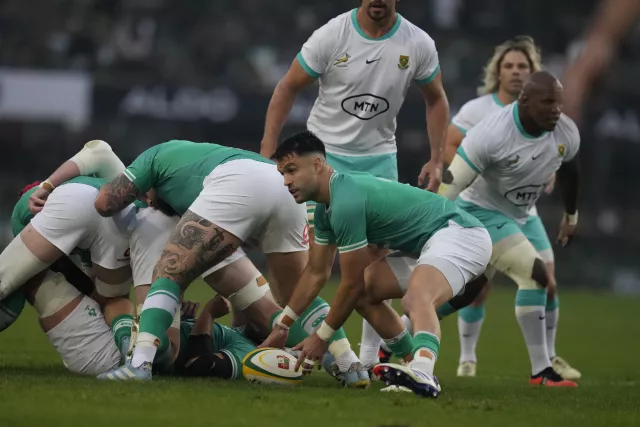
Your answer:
<point x="189" y="309"/>
<point x="37" y="200"/>
<point x="550" y="185"/>
<point x="312" y="350"/>
<point x="219" y="306"/>
<point x="566" y="231"/>
<point x="277" y="338"/>
<point x="431" y="175"/>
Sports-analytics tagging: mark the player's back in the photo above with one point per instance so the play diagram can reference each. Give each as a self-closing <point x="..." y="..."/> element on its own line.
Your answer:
<point x="176" y="169"/>
<point x="21" y="214"/>
<point x="397" y="216"/>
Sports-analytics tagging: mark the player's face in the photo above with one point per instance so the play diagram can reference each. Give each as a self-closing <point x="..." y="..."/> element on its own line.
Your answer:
<point x="514" y="70"/>
<point x="156" y="203"/>
<point x="378" y="9"/>
<point x="300" y="176"/>
<point x="545" y="107"/>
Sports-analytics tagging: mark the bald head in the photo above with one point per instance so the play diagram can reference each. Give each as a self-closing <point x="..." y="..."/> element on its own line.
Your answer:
<point x="541" y="82"/>
<point x="540" y="102"/>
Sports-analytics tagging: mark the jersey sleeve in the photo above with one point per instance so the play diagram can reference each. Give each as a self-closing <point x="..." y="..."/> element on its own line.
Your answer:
<point x="141" y="171"/>
<point x="475" y="149"/>
<point x="466" y="118"/>
<point x="348" y="221"/>
<point x="572" y="138"/>
<point x="322" y="229"/>
<point x="428" y="63"/>
<point x="317" y="52"/>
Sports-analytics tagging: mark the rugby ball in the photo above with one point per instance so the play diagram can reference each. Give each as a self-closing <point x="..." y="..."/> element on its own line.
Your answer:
<point x="10" y="309"/>
<point x="270" y="366"/>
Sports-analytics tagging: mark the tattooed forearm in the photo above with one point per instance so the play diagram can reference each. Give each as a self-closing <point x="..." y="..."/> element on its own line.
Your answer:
<point x="195" y="246"/>
<point x="116" y="195"/>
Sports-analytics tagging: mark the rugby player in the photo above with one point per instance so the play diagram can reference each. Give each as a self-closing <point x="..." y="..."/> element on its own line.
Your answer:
<point x="504" y="76"/>
<point x="364" y="60"/>
<point x="505" y="161"/>
<point x="235" y="277"/>
<point x="227" y="197"/>
<point x="441" y="248"/>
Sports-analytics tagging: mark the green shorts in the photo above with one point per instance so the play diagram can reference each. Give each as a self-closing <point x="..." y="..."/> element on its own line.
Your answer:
<point x="380" y="165"/>
<point x="225" y="340"/>
<point x="500" y="226"/>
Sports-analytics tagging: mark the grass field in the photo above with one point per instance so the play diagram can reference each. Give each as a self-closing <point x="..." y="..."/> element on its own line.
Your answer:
<point x="599" y="334"/>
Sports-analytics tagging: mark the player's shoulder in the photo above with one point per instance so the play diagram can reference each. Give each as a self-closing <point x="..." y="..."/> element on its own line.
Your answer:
<point x="477" y="106"/>
<point x="567" y="128"/>
<point x="412" y="32"/>
<point x="345" y="186"/>
<point x="495" y="125"/>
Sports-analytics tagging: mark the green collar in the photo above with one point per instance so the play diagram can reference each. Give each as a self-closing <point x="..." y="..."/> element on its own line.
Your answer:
<point x="356" y="25"/>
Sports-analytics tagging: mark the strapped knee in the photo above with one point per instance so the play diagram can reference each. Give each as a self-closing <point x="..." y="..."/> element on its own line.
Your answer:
<point x="518" y="259"/>
<point x="17" y="265"/>
<point x="109" y="290"/>
<point x="250" y="293"/>
<point x="53" y="294"/>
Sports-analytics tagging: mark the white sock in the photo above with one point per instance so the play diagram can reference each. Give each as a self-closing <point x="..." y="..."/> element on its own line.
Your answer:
<point x="145" y="350"/>
<point x="369" y="345"/>
<point x="346" y="359"/>
<point x="531" y="319"/>
<point x="469" y="332"/>
<point x="407" y="323"/>
<point x="423" y="364"/>
<point x="551" y="320"/>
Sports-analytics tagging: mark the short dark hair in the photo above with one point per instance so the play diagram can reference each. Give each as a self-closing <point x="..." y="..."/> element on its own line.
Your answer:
<point x="305" y="142"/>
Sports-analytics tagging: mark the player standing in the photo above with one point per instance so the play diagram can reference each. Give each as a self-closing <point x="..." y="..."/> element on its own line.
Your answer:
<point x="504" y="76"/>
<point x="505" y="161"/>
<point x="364" y="61"/>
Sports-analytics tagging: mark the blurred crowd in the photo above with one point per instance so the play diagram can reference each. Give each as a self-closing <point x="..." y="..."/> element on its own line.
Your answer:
<point x="250" y="42"/>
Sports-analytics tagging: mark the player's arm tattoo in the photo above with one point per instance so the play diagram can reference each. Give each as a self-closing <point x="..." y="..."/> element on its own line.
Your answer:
<point x="116" y="195"/>
<point x="195" y="245"/>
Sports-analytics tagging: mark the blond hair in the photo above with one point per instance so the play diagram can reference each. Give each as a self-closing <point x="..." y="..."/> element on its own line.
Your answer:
<point x="524" y="44"/>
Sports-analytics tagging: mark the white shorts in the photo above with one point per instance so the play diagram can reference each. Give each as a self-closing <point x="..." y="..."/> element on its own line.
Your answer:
<point x="461" y="254"/>
<point x="150" y="232"/>
<point x="69" y="220"/>
<point x="248" y="199"/>
<point x="84" y="341"/>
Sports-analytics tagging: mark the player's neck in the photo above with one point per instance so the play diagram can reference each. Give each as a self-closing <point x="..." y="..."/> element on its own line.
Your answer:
<point x="529" y="125"/>
<point x="324" y="192"/>
<point x="505" y="97"/>
<point x="375" y="29"/>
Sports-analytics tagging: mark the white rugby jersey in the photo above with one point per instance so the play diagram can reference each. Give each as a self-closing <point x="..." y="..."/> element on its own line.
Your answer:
<point x="363" y="82"/>
<point x="475" y="110"/>
<point x="514" y="166"/>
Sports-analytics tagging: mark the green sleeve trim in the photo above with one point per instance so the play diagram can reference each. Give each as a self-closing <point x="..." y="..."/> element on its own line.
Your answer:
<point x="430" y="78"/>
<point x="353" y="247"/>
<point x="306" y="67"/>
<point x="462" y="154"/>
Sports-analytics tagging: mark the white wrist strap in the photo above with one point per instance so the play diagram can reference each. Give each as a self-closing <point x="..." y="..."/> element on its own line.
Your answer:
<point x="325" y="332"/>
<point x="572" y="219"/>
<point x="288" y="312"/>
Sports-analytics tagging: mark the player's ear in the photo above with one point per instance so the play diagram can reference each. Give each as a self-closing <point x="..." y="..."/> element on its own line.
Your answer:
<point x="318" y="163"/>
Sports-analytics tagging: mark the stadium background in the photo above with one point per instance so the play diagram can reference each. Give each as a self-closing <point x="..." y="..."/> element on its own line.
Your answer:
<point x="139" y="72"/>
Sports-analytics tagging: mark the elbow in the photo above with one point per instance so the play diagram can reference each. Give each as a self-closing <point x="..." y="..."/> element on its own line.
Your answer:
<point x="101" y="206"/>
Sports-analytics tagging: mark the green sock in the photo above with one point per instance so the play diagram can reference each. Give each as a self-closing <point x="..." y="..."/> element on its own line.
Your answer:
<point x="121" y="329"/>
<point x="424" y="339"/>
<point x="308" y="322"/>
<point x="400" y="345"/>
<point x="157" y="315"/>
<point x="444" y="310"/>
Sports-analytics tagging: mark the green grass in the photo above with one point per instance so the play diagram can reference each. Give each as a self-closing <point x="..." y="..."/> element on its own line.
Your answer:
<point x="599" y="334"/>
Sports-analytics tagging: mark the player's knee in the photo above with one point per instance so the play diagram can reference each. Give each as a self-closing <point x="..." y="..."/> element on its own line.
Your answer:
<point x="253" y="291"/>
<point x="520" y="261"/>
<point x="540" y="274"/>
<point x="17" y="265"/>
<point x="472" y="294"/>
